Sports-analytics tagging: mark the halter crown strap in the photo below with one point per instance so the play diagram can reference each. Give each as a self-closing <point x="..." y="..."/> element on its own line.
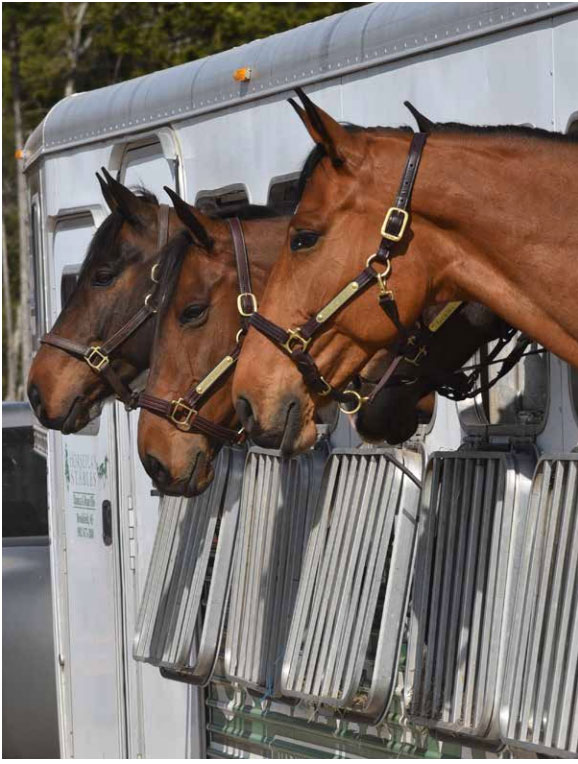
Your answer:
<point x="97" y="356"/>
<point x="294" y="342"/>
<point x="183" y="412"/>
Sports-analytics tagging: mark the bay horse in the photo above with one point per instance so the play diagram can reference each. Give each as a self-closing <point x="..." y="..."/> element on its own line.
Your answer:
<point x="482" y="229"/>
<point x="199" y="328"/>
<point x="107" y="304"/>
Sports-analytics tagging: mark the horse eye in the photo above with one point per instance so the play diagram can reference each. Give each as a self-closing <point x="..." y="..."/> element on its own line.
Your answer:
<point x="193" y="314"/>
<point x="303" y="240"/>
<point x="103" y="277"/>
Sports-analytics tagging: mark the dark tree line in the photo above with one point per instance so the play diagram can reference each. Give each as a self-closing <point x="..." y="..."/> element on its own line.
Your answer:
<point x="54" y="49"/>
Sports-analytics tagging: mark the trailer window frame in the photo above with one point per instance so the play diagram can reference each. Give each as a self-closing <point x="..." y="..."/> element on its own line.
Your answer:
<point x="66" y="218"/>
<point x="289" y="184"/>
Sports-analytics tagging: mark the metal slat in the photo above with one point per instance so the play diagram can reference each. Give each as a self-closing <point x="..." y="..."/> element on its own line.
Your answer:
<point x="176" y="583"/>
<point x="277" y="505"/>
<point x="466" y="573"/>
<point x="367" y="512"/>
<point x="540" y="698"/>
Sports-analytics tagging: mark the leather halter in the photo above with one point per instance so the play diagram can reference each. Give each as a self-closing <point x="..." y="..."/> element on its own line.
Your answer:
<point x="294" y="342"/>
<point x="183" y="412"/>
<point x="98" y="356"/>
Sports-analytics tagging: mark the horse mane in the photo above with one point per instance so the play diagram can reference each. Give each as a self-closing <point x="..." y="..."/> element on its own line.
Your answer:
<point x="106" y="234"/>
<point x="525" y="131"/>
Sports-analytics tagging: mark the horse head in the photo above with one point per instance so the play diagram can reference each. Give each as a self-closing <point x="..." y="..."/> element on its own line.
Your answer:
<point x="69" y="380"/>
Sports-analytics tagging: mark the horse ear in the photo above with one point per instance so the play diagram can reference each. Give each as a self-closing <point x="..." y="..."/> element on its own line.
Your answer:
<point x="108" y="197"/>
<point x="192" y="219"/>
<point x="325" y="130"/>
<point x="424" y="124"/>
<point x="131" y="206"/>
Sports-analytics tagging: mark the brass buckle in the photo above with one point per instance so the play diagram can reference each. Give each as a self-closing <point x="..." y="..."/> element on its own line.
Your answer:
<point x="359" y="401"/>
<point x="399" y="235"/>
<point x="251" y="297"/>
<point x="189" y="412"/>
<point x="295" y="337"/>
<point x="95" y="358"/>
<point x="154" y="273"/>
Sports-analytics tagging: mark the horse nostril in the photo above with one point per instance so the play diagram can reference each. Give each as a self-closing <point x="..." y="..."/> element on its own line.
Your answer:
<point x="35" y="399"/>
<point x="157" y="470"/>
<point x="245" y="414"/>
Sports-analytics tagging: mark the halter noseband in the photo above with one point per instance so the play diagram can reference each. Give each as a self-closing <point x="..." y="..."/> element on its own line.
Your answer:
<point x="294" y="342"/>
<point x="98" y="356"/>
<point x="183" y="413"/>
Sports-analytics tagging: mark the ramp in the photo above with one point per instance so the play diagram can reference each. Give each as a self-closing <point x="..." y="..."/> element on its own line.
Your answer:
<point x="277" y="507"/>
<point x="184" y="599"/>
<point x="472" y="516"/>
<point x="540" y="698"/>
<point x="360" y="550"/>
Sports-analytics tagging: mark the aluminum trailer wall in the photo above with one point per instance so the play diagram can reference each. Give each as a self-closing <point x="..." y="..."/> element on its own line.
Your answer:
<point x="193" y="127"/>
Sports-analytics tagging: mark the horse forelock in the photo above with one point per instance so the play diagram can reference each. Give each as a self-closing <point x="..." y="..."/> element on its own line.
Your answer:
<point x="171" y="260"/>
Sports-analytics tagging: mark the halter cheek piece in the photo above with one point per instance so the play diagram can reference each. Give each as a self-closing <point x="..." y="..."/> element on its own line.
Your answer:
<point x="184" y="412"/>
<point x="98" y="356"/>
<point x="294" y="342"/>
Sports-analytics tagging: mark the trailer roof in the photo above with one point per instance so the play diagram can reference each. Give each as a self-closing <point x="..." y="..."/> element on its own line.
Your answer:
<point x="366" y="36"/>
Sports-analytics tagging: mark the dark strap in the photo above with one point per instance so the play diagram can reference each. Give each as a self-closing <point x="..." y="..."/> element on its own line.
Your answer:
<point x="246" y="301"/>
<point x="194" y="423"/>
<point x="394" y="224"/>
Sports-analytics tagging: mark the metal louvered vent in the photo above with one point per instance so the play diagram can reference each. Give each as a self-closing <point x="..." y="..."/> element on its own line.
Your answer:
<point x="169" y="618"/>
<point x="277" y="506"/>
<point x="470" y="536"/>
<point x="540" y="698"/>
<point x="361" y="546"/>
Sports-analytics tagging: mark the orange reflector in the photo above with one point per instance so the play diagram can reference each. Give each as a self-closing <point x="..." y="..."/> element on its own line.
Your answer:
<point x="19" y="154"/>
<point x="243" y="74"/>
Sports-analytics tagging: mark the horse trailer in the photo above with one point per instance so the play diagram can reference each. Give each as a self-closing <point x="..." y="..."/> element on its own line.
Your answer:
<point x="274" y="616"/>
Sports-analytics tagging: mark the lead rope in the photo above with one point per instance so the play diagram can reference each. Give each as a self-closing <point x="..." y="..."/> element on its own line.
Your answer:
<point x="98" y="356"/>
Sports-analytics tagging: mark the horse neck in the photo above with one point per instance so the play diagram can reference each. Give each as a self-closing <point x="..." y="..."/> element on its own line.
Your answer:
<point x="493" y="223"/>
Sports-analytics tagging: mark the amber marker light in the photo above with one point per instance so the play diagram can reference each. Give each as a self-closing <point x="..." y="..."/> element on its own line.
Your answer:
<point x="243" y="74"/>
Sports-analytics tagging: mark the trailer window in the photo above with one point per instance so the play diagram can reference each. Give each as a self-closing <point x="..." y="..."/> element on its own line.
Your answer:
<point x="283" y="195"/>
<point x="223" y="200"/>
<point x="25" y="505"/>
<point x="144" y="164"/>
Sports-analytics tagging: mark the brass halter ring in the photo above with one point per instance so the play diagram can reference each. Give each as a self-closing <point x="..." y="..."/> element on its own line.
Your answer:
<point x="154" y="273"/>
<point x="381" y="277"/>
<point x="148" y="303"/>
<point x="359" y="401"/>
